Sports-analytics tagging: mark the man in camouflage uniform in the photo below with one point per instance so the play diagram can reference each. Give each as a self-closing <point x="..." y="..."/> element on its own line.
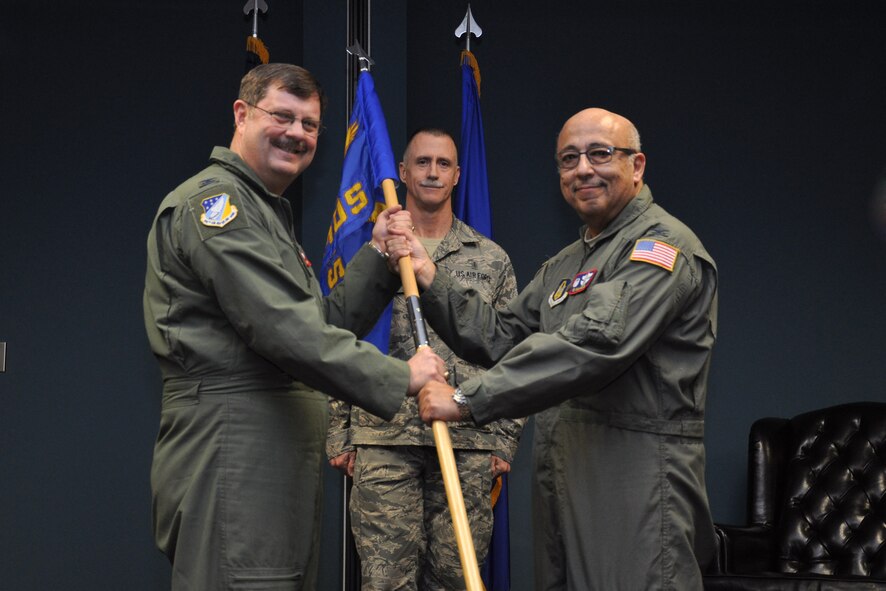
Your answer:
<point x="399" y="513"/>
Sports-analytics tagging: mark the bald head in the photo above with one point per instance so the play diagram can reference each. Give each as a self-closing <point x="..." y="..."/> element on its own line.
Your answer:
<point x="599" y="190"/>
<point x="613" y="123"/>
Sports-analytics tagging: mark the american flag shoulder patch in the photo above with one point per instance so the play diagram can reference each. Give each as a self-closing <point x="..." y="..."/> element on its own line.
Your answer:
<point x="655" y="252"/>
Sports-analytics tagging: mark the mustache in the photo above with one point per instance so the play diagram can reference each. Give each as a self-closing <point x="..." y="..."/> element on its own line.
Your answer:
<point x="290" y="145"/>
<point x="431" y="184"/>
<point x="580" y="185"/>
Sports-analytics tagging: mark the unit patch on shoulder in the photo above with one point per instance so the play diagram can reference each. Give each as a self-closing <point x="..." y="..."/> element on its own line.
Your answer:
<point x="559" y="294"/>
<point x="655" y="252"/>
<point x="581" y="281"/>
<point x="218" y="211"/>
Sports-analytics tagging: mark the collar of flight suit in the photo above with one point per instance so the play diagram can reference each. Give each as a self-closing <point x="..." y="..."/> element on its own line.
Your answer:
<point x="229" y="160"/>
<point x="635" y="207"/>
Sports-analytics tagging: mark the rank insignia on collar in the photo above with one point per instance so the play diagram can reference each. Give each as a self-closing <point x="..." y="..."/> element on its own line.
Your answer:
<point x="218" y="211"/>
<point x="559" y="294"/>
<point x="581" y="281"/>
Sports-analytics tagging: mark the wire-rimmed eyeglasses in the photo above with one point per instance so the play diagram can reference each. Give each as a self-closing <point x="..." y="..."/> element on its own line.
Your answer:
<point x="309" y="126"/>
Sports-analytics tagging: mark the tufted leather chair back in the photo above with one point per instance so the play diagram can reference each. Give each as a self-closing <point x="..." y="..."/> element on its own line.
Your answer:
<point x="820" y="480"/>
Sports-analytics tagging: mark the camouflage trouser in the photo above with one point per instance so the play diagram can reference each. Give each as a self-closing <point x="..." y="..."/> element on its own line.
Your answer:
<point x="401" y="520"/>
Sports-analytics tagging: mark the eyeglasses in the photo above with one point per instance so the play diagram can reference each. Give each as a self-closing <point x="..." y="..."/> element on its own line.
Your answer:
<point x="568" y="159"/>
<point x="309" y="126"/>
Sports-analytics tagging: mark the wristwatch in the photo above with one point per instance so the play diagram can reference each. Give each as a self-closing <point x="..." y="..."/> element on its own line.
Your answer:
<point x="464" y="410"/>
<point x="383" y="255"/>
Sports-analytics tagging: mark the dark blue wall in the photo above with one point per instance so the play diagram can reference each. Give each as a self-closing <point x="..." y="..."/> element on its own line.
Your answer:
<point x="763" y="124"/>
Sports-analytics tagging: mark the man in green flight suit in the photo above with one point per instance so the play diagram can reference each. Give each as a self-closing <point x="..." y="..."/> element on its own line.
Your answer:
<point x="249" y="349"/>
<point x="613" y="337"/>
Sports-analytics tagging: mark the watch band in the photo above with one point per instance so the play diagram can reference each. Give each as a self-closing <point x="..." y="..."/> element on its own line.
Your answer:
<point x="464" y="409"/>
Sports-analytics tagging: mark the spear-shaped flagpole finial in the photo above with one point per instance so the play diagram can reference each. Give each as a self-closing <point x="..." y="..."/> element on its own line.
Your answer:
<point x="365" y="61"/>
<point x="468" y="27"/>
<point x="255" y="6"/>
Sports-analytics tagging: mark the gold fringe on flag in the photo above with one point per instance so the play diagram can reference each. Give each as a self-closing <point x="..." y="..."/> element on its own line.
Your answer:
<point x="467" y="56"/>
<point x="255" y="45"/>
<point x="497" y="484"/>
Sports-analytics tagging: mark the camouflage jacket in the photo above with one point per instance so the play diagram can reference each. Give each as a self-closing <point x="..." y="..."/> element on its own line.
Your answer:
<point x="476" y="262"/>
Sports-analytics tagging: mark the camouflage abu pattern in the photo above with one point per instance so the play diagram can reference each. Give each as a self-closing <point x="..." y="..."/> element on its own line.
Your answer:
<point x="407" y="550"/>
<point x="476" y="262"/>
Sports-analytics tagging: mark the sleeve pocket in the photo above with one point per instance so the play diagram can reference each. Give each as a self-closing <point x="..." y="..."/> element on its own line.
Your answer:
<point x="602" y="320"/>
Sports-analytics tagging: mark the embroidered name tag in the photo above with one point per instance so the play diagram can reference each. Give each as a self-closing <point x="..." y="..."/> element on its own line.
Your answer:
<point x="218" y="211"/>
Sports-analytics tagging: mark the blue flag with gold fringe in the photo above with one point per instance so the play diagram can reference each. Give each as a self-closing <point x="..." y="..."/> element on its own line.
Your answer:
<point x="471" y="205"/>
<point x="368" y="161"/>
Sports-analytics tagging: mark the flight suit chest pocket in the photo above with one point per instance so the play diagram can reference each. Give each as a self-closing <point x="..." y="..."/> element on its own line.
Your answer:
<point x="601" y="321"/>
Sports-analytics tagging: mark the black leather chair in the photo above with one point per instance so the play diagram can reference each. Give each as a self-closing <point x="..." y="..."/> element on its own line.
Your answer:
<point x="816" y="505"/>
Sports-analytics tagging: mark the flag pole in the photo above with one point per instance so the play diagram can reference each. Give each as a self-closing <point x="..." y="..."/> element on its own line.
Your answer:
<point x="471" y="204"/>
<point x="466" y="552"/>
<point x="256" y="52"/>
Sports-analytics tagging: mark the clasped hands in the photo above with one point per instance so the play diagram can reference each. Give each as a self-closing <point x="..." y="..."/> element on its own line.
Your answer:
<point x="393" y="235"/>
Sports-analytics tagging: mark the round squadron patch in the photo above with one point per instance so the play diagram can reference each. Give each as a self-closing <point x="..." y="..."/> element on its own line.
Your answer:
<point x="218" y="211"/>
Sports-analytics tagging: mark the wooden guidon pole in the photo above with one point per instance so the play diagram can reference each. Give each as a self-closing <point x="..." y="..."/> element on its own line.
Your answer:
<point x="451" y="483"/>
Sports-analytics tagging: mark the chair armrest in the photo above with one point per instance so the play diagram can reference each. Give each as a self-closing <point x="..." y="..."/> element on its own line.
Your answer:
<point x="745" y="549"/>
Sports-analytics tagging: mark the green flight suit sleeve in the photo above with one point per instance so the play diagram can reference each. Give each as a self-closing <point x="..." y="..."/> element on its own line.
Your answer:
<point x="362" y="294"/>
<point x="474" y="330"/>
<point x="507" y="431"/>
<point x="272" y="300"/>
<point x="622" y="317"/>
